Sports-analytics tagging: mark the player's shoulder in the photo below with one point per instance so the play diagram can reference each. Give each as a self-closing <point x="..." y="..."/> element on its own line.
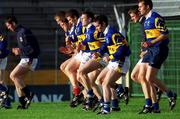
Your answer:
<point x="156" y="15"/>
<point x="91" y="28"/>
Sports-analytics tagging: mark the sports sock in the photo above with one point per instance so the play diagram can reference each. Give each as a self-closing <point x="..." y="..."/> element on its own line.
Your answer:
<point x="76" y="91"/>
<point x="156" y="106"/>
<point x="148" y="102"/>
<point x="106" y="106"/>
<point x="26" y="91"/>
<point x="115" y="103"/>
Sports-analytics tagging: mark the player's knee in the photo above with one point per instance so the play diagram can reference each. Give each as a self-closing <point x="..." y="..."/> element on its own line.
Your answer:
<point x="98" y="82"/>
<point x="133" y="76"/>
<point x="62" y="67"/>
<point x="12" y="76"/>
<point x="79" y="79"/>
<point x="66" y="69"/>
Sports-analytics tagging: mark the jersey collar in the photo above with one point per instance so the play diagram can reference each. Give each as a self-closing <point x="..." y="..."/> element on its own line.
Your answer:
<point x="106" y="30"/>
<point x="149" y="14"/>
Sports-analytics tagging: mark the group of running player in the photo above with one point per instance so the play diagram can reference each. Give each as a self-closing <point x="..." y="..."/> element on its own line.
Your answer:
<point x="100" y="56"/>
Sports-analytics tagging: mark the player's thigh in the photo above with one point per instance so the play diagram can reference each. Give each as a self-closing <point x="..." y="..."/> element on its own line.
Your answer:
<point x="73" y="65"/>
<point x="101" y="76"/>
<point x="64" y="64"/>
<point x="142" y="71"/>
<point x="90" y="66"/>
<point x="111" y="77"/>
<point x="93" y="75"/>
<point x="151" y="74"/>
<point x="135" y="72"/>
<point x="19" y="71"/>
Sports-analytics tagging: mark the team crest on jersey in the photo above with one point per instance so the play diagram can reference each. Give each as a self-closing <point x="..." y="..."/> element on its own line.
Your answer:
<point x="88" y="36"/>
<point x="148" y="23"/>
<point x="21" y="39"/>
<point x="1" y="37"/>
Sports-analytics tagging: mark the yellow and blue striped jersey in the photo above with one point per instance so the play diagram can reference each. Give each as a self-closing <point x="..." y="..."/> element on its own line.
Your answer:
<point x="79" y="28"/>
<point x="92" y="41"/>
<point x="116" y="45"/>
<point x="71" y="34"/>
<point x="154" y="26"/>
<point x="75" y="33"/>
<point x="3" y="46"/>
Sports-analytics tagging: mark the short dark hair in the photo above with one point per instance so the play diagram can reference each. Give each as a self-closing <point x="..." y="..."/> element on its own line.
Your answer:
<point x="133" y="10"/>
<point x="61" y="16"/>
<point x="11" y="19"/>
<point x="72" y="13"/>
<point x="147" y="2"/>
<point x="89" y="14"/>
<point x="101" y="18"/>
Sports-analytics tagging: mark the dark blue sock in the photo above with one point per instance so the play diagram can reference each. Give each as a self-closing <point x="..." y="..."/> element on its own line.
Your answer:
<point x="156" y="106"/>
<point x="90" y="93"/>
<point x="115" y="103"/>
<point x="3" y="88"/>
<point x="120" y="89"/>
<point x="106" y="106"/>
<point x="148" y="102"/>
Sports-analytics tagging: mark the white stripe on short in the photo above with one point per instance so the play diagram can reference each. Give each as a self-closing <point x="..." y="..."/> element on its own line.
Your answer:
<point x="25" y="62"/>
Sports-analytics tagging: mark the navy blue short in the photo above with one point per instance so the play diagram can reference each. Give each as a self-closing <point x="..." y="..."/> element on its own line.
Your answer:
<point x="156" y="56"/>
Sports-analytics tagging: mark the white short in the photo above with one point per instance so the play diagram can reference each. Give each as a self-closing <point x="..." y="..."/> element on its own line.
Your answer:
<point x="25" y="62"/>
<point x="3" y="63"/>
<point x="115" y="65"/>
<point x="78" y="56"/>
<point x="140" y="61"/>
<point x="86" y="56"/>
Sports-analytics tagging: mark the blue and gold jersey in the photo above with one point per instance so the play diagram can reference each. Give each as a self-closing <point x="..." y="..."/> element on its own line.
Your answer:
<point x="92" y="41"/>
<point x="79" y="28"/>
<point x="74" y="34"/>
<point x="116" y="45"/>
<point x="82" y="36"/>
<point x="3" y="46"/>
<point x="154" y="26"/>
<point x="72" y="37"/>
<point x="80" y="31"/>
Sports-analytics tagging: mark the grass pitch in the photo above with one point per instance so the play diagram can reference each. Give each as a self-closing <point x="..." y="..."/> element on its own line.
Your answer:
<point x="62" y="110"/>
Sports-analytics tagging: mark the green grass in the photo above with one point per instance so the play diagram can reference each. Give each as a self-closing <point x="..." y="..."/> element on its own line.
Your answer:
<point x="61" y="110"/>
